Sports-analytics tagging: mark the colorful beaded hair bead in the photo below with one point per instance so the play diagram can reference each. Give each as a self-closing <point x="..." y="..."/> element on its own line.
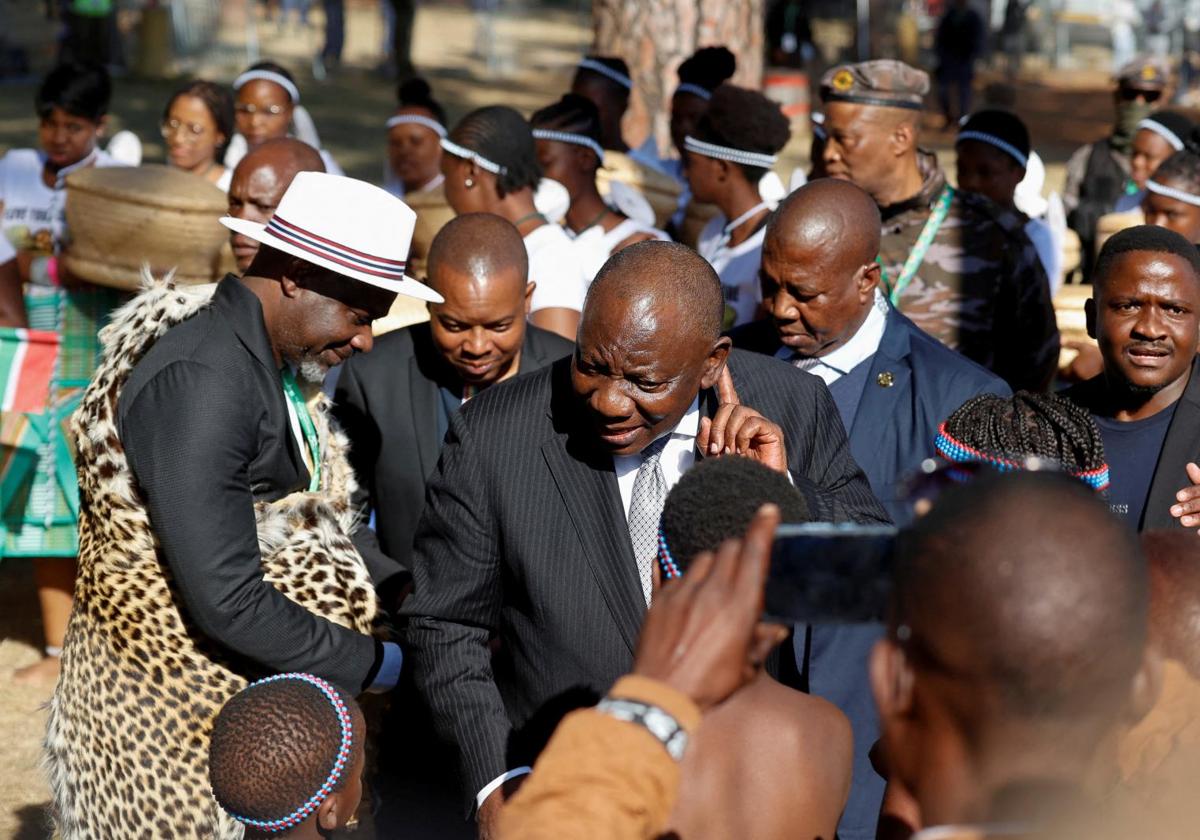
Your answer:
<point x="345" y="722"/>
<point x="957" y="452"/>
<point x="670" y="569"/>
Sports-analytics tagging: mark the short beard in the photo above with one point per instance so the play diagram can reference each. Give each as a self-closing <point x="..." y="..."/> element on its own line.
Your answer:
<point x="312" y="371"/>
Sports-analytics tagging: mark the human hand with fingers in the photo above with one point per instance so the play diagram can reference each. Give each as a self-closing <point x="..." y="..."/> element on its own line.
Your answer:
<point x="703" y="635"/>
<point x="737" y="429"/>
<point x="1187" y="511"/>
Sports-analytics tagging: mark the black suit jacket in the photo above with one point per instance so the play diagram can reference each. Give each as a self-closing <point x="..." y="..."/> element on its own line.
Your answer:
<point x="205" y="429"/>
<point x="524" y="535"/>
<point x="388" y="401"/>
<point x="1181" y="446"/>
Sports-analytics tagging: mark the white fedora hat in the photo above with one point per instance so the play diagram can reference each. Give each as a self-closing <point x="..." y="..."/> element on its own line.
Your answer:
<point x="351" y="227"/>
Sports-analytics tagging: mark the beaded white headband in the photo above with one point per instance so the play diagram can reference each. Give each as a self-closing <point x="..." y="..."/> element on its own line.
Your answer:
<point x="694" y="90"/>
<point x="606" y="71"/>
<point x="729" y="153"/>
<point x="1151" y="124"/>
<point x="1171" y="192"/>
<point x="416" y="119"/>
<point x="475" y="158"/>
<point x="284" y="82"/>
<point x="993" y="140"/>
<point x="569" y="137"/>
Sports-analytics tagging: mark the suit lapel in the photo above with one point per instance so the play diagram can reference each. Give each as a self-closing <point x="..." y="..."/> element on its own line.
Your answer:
<point x="423" y="399"/>
<point x="589" y="490"/>
<point x="887" y="380"/>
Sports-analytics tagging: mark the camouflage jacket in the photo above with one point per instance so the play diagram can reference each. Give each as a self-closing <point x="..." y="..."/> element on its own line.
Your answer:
<point x="981" y="289"/>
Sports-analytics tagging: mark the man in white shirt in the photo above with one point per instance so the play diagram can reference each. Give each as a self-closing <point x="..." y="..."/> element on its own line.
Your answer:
<point x="540" y="525"/>
<point x="893" y="386"/>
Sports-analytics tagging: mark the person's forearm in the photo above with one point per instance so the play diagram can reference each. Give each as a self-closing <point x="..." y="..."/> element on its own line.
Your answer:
<point x="12" y="302"/>
<point x="602" y="778"/>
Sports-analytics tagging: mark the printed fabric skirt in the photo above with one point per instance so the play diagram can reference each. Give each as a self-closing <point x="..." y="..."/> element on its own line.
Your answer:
<point x="39" y="492"/>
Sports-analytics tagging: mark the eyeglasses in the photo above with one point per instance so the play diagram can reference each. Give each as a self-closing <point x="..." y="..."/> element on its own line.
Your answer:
<point x="1130" y="94"/>
<point x="274" y="110"/>
<point x="191" y="131"/>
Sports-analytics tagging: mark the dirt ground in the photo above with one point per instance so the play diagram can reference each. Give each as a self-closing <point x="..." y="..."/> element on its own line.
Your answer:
<point x="536" y="48"/>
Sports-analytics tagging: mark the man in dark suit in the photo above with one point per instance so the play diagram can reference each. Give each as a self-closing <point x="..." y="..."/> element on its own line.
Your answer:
<point x="893" y="385"/>
<point x="541" y="520"/>
<point x="395" y="403"/>
<point x="1145" y="314"/>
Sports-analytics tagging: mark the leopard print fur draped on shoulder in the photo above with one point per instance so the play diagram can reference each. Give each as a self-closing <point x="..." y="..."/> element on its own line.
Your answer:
<point x="127" y="741"/>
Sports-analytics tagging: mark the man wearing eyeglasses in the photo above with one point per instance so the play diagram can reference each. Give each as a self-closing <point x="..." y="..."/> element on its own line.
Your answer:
<point x="1098" y="174"/>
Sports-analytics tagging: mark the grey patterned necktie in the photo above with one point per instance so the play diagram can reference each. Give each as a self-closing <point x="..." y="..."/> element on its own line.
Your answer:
<point x="645" y="509"/>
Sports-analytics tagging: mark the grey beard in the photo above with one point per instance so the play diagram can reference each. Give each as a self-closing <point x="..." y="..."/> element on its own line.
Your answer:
<point x="311" y="371"/>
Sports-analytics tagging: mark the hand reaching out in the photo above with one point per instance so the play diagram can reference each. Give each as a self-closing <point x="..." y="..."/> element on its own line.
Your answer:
<point x="1188" y="509"/>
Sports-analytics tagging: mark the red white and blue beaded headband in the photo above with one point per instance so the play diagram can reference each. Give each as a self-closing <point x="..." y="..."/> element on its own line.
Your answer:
<point x="957" y="452"/>
<point x="340" y="763"/>
<point x="666" y="561"/>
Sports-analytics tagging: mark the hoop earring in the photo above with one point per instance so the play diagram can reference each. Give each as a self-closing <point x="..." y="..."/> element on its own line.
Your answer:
<point x="470" y="182"/>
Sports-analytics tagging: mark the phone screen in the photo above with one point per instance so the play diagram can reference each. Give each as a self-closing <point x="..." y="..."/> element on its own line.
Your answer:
<point x="823" y="573"/>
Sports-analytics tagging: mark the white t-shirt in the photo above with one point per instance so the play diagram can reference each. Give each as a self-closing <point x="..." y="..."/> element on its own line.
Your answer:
<point x="35" y="216"/>
<point x="595" y="245"/>
<point x="555" y="265"/>
<point x="737" y="267"/>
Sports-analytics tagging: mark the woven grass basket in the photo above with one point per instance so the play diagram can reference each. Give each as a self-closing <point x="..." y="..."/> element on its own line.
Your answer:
<point x="122" y="217"/>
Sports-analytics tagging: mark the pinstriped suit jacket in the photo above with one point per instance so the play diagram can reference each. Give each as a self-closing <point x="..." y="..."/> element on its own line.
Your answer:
<point x="524" y="535"/>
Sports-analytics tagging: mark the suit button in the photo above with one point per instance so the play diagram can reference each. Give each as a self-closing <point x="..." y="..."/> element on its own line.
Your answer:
<point x="885" y="379"/>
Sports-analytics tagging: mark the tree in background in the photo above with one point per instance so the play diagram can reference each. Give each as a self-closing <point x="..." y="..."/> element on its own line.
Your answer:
<point x="654" y="36"/>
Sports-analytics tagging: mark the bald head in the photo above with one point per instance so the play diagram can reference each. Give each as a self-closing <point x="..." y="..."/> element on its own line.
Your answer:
<point x="1025" y="587"/>
<point x="661" y="276"/>
<point x="259" y="182"/>
<point x="830" y="216"/>
<point x="481" y="246"/>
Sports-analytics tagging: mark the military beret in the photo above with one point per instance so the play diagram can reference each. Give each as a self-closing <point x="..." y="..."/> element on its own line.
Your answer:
<point x="884" y="82"/>
<point x="1145" y="72"/>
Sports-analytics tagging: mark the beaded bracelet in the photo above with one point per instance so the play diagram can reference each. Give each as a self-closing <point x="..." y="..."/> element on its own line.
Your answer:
<point x="345" y="722"/>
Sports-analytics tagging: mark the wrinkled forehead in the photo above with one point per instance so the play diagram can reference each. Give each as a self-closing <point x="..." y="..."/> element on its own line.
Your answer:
<point x="645" y="327"/>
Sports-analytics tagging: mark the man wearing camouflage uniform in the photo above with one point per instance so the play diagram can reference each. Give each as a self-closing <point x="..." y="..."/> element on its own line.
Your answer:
<point x="958" y="265"/>
<point x="1098" y="173"/>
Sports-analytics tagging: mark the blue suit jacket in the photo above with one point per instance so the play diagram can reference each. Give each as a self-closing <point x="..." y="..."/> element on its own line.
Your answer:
<point x="915" y="382"/>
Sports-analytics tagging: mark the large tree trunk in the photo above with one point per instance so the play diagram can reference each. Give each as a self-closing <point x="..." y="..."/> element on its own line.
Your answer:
<point x="654" y="36"/>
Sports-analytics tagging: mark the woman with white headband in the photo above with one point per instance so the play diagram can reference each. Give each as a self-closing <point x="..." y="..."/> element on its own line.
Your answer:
<point x="1172" y="197"/>
<point x="491" y="167"/>
<point x="735" y="143"/>
<point x="266" y="106"/>
<point x="414" y="135"/>
<point x="605" y="80"/>
<point x="568" y="149"/>
<point x="1158" y="136"/>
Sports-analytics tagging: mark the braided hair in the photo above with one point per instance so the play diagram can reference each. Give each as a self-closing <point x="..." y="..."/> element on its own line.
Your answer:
<point x="744" y="119"/>
<point x="574" y="114"/>
<point x="715" y="501"/>
<point x="502" y="135"/>
<point x="1029" y="424"/>
<point x="273" y="745"/>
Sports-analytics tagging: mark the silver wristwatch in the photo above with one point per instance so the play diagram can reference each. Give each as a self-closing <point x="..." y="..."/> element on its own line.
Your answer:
<point x="654" y="720"/>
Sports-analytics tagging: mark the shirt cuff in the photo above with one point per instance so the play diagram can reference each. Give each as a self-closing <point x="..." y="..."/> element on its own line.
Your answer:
<point x="491" y="786"/>
<point x="389" y="669"/>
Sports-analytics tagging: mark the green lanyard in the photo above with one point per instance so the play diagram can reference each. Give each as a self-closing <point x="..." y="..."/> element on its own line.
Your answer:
<point x="917" y="255"/>
<point x="292" y="391"/>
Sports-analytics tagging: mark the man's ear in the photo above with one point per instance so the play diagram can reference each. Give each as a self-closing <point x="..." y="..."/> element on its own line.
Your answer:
<point x="867" y="281"/>
<point x="290" y="287"/>
<point x="724" y="170"/>
<point x="1146" y="686"/>
<point x="904" y="136"/>
<point x="891" y="680"/>
<point x="1089" y="313"/>
<point x="715" y="362"/>
<point x="529" y="287"/>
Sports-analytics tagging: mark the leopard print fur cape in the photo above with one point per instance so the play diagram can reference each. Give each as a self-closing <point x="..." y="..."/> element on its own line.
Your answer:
<point x="127" y="741"/>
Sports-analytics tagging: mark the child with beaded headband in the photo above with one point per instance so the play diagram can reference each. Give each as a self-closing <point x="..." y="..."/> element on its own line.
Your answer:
<point x="286" y="757"/>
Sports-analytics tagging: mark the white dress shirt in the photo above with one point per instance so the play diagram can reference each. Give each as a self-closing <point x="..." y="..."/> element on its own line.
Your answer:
<point x="861" y="346"/>
<point x="677" y="457"/>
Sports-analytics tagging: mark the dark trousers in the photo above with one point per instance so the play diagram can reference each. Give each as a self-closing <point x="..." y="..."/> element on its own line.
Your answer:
<point x="406" y="13"/>
<point x="960" y="75"/>
<point x="335" y="30"/>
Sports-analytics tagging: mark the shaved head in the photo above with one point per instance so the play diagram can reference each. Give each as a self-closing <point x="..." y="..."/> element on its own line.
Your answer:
<point x="657" y="275"/>
<point x="649" y="342"/>
<point x="259" y="182"/>
<point x="828" y="214"/>
<point x="481" y="245"/>
<point x="818" y="268"/>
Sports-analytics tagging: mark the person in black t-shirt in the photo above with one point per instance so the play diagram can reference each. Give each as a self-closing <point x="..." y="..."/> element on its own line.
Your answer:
<point x="1145" y="314"/>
